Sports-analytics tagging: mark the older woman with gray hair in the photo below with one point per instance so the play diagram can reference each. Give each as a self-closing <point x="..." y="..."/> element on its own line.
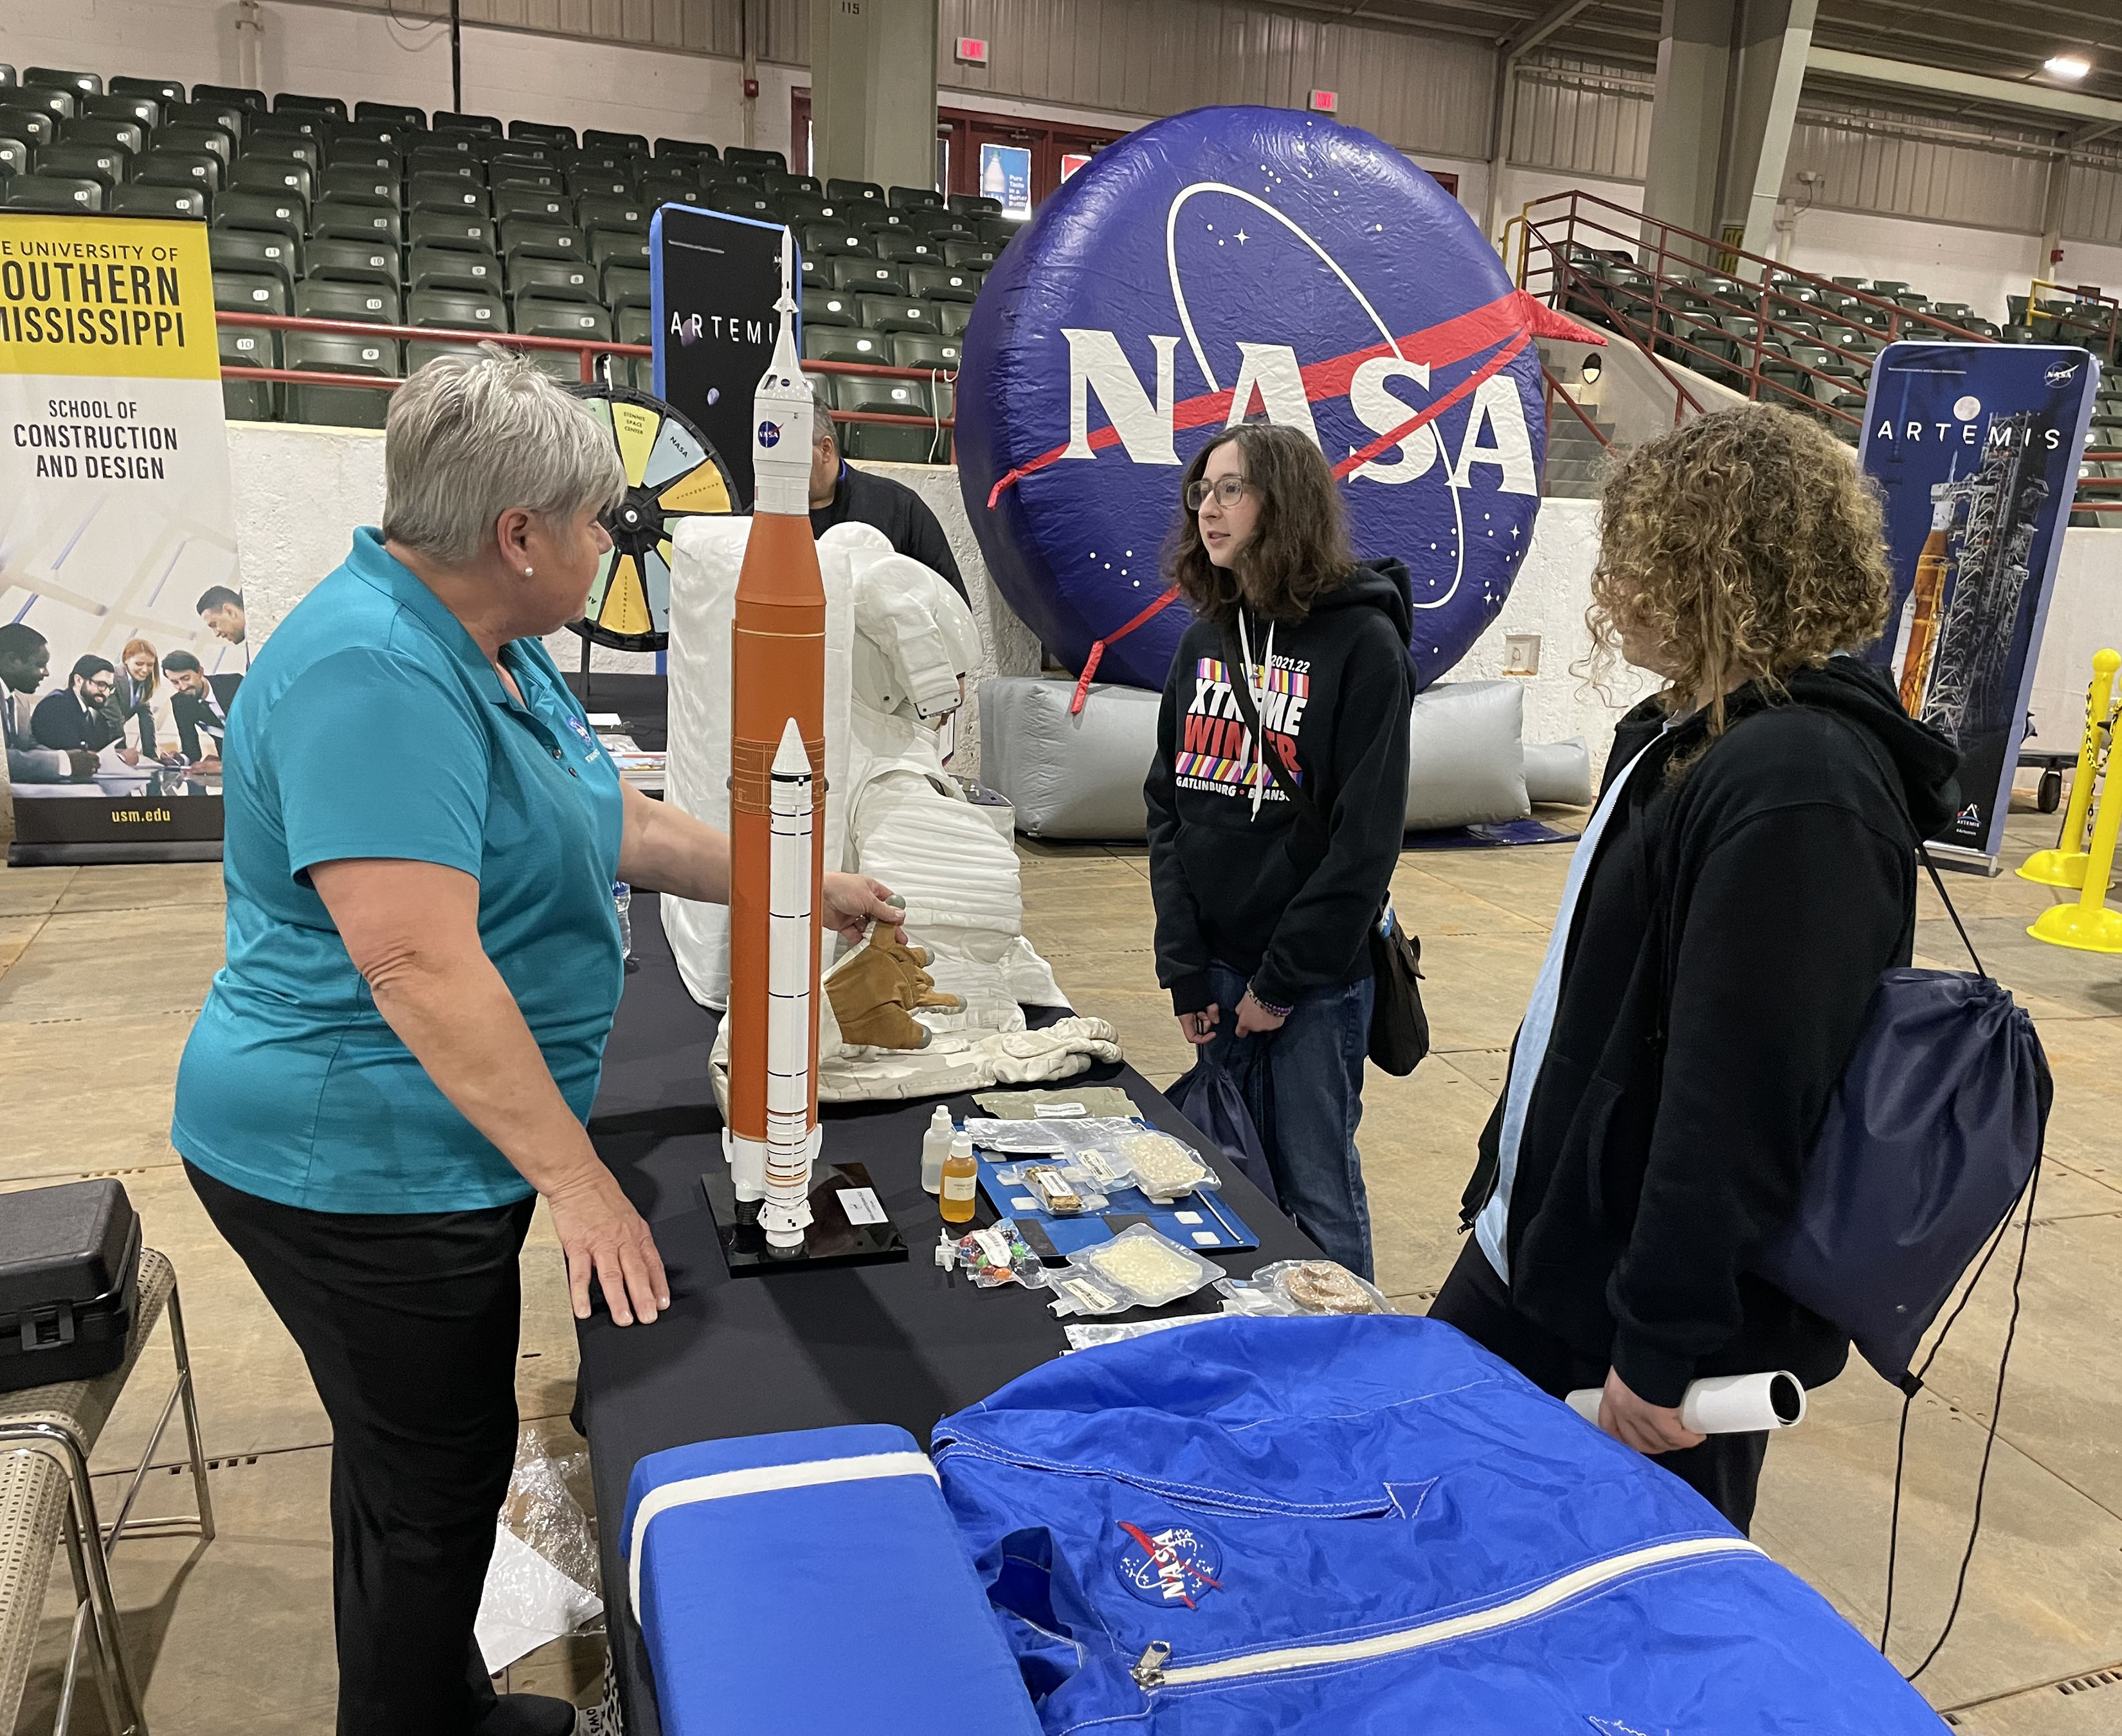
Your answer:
<point x="399" y="1058"/>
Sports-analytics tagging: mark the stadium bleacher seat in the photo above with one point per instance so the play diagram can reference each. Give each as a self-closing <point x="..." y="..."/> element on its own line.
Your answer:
<point x="391" y="115"/>
<point x="80" y="84"/>
<point x="687" y="150"/>
<point x="338" y="352"/>
<point x="447" y="120"/>
<point x="565" y="280"/>
<point x="943" y="282"/>
<point x="532" y="201"/>
<point x="123" y="133"/>
<point x="251" y="292"/>
<point x="262" y="252"/>
<point x="241" y="95"/>
<point x="14" y="157"/>
<point x="351" y="261"/>
<point x="59" y="105"/>
<point x="163" y="90"/>
<point x="539" y="317"/>
<point x="912" y="198"/>
<point x="627" y="286"/>
<point x="200" y="170"/>
<point x="137" y="199"/>
<point x="373" y="304"/>
<point x="844" y="343"/>
<point x="446" y="229"/>
<point x="634" y="144"/>
<point x="474" y="270"/>
<point x="39" y="192"/>
<point x="180" y="135"/>
<point x="743" y="157"/>
<point x="35" y="128"/>
<point x="104" y="164"/>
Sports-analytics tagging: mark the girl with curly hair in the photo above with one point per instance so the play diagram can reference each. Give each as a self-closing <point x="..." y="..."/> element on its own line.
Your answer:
<point x="1746" y="876"/>
<point x="1262" y="912"/>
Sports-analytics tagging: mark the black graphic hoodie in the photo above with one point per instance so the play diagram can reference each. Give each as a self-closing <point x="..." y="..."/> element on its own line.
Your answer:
<point x="1237" y="875"/>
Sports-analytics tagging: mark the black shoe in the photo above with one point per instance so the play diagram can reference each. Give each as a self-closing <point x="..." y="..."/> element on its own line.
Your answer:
<point x="529" y="1715"/>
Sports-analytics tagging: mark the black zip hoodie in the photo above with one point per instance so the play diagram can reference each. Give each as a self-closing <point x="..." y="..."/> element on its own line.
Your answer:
<point x="1721" y="965"/>
<point x="1248" y="882"/>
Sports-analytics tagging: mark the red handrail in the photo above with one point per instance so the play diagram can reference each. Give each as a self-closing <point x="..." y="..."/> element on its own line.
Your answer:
<point x="1554" y="390"/>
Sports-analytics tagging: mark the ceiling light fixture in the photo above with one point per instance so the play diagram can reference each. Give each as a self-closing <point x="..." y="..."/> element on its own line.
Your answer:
<point x="2067" y="65"/>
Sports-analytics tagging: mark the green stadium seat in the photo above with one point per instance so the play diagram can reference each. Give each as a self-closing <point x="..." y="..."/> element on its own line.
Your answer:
<point x="943" y="282"/>
<point x="875" y="277"/>
<point x="978" y="255"/>
<point x="200" y="170"/>
<point x="80" y="84"/>
<point x="544" y="240"/>
<point x="741" y="156"/>
<point x="241" y="95"/>
<point x="506" y="173"/>
<point x="293" y="136"/>
<point x="429" y="157"/>
<point x="882" y="443"/>
<point x="597" y="212"/>
<point x="953" y="318"/>
<point x="161" y="90"/>
<point x="34" y="127"/>
<point x="481" y="126"/>
<point x="457" y="195"/>
<point x="338" y="352"/>
<point x="928" y="220"/>
<point x="543" y="133"/>
<point x="603" y="183"/>
<point x="835" y="240"/>
<point x="563" y="280"/>
<point x="260" y="211"/>
<point x="458" y="310"/>
<point x="104" y="164"/>
<point x="257" y="251"/>
<point x="798" y="209"/>
<point x="841" y="192"/>
<point x="814" y="273"/>
<point x="453" y="267"/>
<point x="53" y="193"/>
<point x="626" y="286"/>
<point x="910" y="250"/>
<point x="123" y="132"/>
<point x="617" y="247"/>
<point x="445" y="228"/>
<point x="537" y="317"/>
<point x="744" y="202"/>
<point x="216" y="141"/>
<point x="344" y="221"/>
<point x="362" y="182"/>
<point x="137" y="199"/>
<point x="14" y="157"/>
<point x="351" y="261"/>
<point x="375" y="304"/>
<point x="914" y="349"/>
<point x="283" y="179"/>
<point x="59" y="105"/>
<point x="974" y="204"/>
<point x="778" y="181"/>
<point x="539" y="204"/>
<point x="997" y="231"/>
<point x="391" y="115"/>
<point x="633" y="143"/>
<point x="687" y="150"/>
<point x="828" y="307"/>
<point x="896" y="313"/>
<point x="250" y="292"/>
<point x="291" y="102"/>
<point x="844" y="343"/>
<point x="914" y="199"/>
<point x="222" y="117"/>
<point x="635" y="325"/>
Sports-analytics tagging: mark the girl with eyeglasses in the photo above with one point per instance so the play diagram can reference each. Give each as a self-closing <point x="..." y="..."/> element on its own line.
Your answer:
<point x="1263" y="918"/>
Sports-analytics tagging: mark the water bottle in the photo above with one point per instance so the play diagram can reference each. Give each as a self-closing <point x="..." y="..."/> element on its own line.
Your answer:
<point x="622" y="901"/>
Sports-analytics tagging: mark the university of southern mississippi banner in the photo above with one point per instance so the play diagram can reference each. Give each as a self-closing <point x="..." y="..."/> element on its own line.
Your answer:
<point x="1976" y="447"/>
<point x="122" y="629"/>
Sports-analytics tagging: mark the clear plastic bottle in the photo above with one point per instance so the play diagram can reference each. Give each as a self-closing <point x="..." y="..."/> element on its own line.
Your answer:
<point x="622" y="901"/>
<point x="935" y="1147"/>
<point x="961" y="1180"/>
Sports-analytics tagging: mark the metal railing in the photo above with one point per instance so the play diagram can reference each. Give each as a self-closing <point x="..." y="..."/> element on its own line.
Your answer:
<point x="2073" y="313"/>
<point x="589" y="350"/>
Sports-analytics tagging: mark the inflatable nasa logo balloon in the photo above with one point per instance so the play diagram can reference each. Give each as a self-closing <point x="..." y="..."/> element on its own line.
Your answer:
<point x="1235" y="262"/>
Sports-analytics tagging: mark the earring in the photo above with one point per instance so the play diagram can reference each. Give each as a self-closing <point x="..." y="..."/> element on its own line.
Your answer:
<point x="528" y="571"/>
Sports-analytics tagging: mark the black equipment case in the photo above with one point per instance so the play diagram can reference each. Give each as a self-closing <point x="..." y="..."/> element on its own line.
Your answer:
<point x="69" y="1282"/>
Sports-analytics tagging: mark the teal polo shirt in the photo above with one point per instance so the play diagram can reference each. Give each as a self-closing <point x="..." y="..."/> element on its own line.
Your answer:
<point x="372" y="725"/>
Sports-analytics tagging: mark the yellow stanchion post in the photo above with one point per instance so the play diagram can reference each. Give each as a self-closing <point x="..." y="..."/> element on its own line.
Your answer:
<point x="2065" y="864"/>
<point x="2088" y="925"/>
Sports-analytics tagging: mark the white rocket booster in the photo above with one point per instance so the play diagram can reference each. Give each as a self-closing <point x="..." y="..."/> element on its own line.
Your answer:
<point x="791" y="1143"/>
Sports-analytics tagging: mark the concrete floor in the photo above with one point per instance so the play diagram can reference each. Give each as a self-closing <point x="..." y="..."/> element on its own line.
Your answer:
<point x="102" y="969"/>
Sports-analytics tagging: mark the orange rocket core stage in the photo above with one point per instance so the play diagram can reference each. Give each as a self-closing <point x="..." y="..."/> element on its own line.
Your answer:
<point x="777" y="672"/>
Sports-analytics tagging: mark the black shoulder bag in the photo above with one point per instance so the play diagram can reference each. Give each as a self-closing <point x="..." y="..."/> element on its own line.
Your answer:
<point x="1400" y="1028"/>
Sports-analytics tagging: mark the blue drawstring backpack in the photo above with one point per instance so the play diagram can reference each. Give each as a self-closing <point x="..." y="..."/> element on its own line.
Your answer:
<point x="1208" y="1096"/>
<point x="1369" y="1526"/>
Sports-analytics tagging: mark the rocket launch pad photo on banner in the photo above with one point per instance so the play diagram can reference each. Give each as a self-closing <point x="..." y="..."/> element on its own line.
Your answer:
<point x="122" y="629"/>
<point x="1976" y="449"/>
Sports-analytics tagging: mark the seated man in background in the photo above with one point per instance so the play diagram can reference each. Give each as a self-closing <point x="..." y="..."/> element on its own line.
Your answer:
<point x="24" y="658"/>
<point x="840" y="492"/>
<point x="221" y="609"/>
<point x="200" y="708"/>
<point x="73" y="718"/>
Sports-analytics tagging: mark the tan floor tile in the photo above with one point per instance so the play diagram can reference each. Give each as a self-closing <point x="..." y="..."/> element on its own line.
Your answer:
<point x="1431" y="905"/>
<point x="32" y="891"/>
<point x="2086" y="1706"/>
<point x="146" y="885"/>
<point x="88" y="1095"/>
<point x="16" y="933"/>
<point x="1488" y="1068"/>
<point x="90" y="964"/>
<point x="1475" y="987"/>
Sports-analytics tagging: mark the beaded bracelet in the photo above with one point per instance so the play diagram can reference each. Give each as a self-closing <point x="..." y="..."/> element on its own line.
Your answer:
<point x="1269" y="1007"/>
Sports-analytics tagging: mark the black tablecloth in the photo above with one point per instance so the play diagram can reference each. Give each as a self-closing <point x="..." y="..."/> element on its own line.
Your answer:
<point x="902" y="1343"/>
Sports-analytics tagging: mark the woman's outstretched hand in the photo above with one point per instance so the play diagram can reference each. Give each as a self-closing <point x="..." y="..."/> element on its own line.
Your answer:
<point x="601" y="1233"/>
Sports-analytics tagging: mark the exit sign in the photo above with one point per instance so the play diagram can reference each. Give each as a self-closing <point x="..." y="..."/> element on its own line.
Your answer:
<point x="973" y="51"/>
<point x="1325" y="102"/>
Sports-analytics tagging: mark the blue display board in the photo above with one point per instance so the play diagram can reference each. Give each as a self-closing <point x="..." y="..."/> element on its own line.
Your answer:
<point x="1239" y="261"/>
<point x="1976" y="449"/>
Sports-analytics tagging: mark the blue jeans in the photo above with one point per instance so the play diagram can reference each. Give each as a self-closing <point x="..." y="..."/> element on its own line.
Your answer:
<point x="1303" y="1085"/>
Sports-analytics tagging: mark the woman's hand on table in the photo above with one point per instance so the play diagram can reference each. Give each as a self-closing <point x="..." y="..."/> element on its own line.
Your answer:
<point x="600" y="1232"/>
<point x="855" y="901"/>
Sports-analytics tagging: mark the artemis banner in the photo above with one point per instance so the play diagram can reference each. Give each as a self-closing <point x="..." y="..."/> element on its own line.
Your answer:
<point x="122" y="629"/>
<point x="1976" y="447"/>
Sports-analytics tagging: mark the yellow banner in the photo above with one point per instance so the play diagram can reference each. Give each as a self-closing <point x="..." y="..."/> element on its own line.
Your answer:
<point x="117" y="298"/>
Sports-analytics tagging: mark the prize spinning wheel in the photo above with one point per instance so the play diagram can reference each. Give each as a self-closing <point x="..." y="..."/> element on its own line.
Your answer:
<point x="673" y="473"/>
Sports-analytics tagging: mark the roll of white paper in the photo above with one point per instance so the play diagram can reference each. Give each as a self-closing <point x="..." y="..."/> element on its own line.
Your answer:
<point x="1725" y="1404"/>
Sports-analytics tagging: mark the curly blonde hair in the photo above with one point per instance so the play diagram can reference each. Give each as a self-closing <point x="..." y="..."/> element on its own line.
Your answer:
<point x="1743" y="545"/>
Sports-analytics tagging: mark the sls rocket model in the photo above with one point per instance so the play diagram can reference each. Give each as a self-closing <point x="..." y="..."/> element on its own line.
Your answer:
<point x="1920" y="612"/>
<point x="777" y="791"/>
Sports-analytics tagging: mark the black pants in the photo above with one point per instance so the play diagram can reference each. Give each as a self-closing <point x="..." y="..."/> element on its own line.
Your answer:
<point x="1725" y="1470"/>
<point x="409" y="1326"/>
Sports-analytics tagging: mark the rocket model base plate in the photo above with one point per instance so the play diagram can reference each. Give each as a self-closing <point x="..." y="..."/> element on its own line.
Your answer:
<point x="831" y="1240"/>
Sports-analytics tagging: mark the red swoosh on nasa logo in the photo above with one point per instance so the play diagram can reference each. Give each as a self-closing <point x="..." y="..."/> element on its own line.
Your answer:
<point x="1515" y="318"/>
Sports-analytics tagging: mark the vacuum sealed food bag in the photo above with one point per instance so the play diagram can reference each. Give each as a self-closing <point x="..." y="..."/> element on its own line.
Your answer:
<point x="1322" y="1287"/>
<point x="1163" y="1168"/>
<point x="999" y="1137"/>
<point x="1059" y="1190"/>
<point x="1151" y="1268"/>
<point x="999" y="1255"/>
<point x="1079" y="1291"/>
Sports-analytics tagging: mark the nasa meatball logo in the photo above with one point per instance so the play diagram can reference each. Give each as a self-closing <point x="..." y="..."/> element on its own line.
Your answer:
<point x="1172" y="1566"/>
<point x="769" y="434"/>
<point x="1245" y="263"/>
<point x="2062" y="373"/>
